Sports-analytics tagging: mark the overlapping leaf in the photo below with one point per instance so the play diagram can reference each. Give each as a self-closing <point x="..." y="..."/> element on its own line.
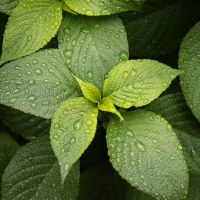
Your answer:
<point x="187" y="128"/>
<point x="161" y="31"/>
<point x="137" y="82"/>
<point x="72" y="130"/>
<point x="37" y="84"/>
<point x="34" y="173"/>
<point x="146" y="152"/>
<point x="91" y="46"/>
<point x="8" y="148"/>
<point x="103" y="7"/>
<point x="189" y="62"/>
<point x="6" y="6"/>
<point x="31" y="25"/>
<point x="26" y="125"/>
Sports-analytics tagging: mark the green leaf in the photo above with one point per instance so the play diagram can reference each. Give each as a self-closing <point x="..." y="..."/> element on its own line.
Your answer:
<point x="184" y="124"/>
<point x="26" y="125"/>
<point x="89" y="91"/>
<point x="101" y="182"/>
<point x="91" y="46"/>
<point x="34" y="173"/>
<point x="37" y="84"/>
<point x="107" y="105"/>
<point x="161" y="31"/>
<point x="66" y="8"/>
<point x="194" y="192"/>
<point x="6" y="6"/>
<point x="103" y="7"/>
<point x="137" y="82"/>
<point x="8" y="148"/>
<point x="189" y="62"/>
<point x="31" y="25"/>
<point x="72" y="130"/>
<point x="146" y="152"/>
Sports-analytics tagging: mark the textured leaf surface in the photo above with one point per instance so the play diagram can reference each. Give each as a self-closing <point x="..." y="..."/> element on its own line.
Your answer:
<point x="72" y="130"/>
<point x="31" y="25"/>
<point x="26" y="125"/>
<point x="8" y="148"/>
<point x="161" y="31"/>
<point x="6" y="6"/>
<point x="137" y="82"/>
<point x="90" y="91"/>
<point x="186" y="126"/>
<point x="101" y="182"/>
<point x="189" y="62"/>
<point x="91" y="46"/>
<point x="107" y="105"/>
<point x="103" y="7"/>
<point x="146" y="152"/>
<point x="34" y="173"/>
<point x="37" y="84"/>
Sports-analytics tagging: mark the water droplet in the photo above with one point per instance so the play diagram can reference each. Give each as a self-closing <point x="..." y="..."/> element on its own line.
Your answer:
<point x="89" y="13"/>
<point x="34" y="61"/>
<point x="106" y="11"/>
<point x="151" y="118"/>
<point x="97" y="26"/>
<point x="66" y="111"/>
<point x="123" y="55"/>
<point x="180" y="147"/>
<point x="67" y="166"/>
<point x="154" y="141"/>
<point x="133" y="72"/>
<point x="130" y="87"/>
<point x="72" y="140"/>
<point x="169" y="127"/>
<point x="119" y="138"/>
<point x="67" y="30"/>
<point x="85" y="29"/>
<point x="38" y="71"/>
<point x="33" y="105"/>
<point x="125" y="74"/>
<point x="57" y="125"/>
<point x="78" y="124"/>
<point x="101" y="3"/>
<point x="15" y="91"/>
<point x="89" y="74"/>
<point x="12" y="100"/>
<point x="130" y="134"/>
<point x="140" y="146"/>
<point x="158" y="150"/>
<point x="89" y="123"/>
<point x="87" y="131"/>
<point x="29" y="38"/>
<point x="32" y="98"/>
<point x="68" y="53"/>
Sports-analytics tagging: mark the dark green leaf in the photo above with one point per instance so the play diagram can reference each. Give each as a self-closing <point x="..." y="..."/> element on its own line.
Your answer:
<point x="91" y="46"/>
<point x="137" y="82"/>
<point x="8" y="148"/>
<point x="186" y="126"/>
<point x="146" y="152"/>
<point x="194" y="189"/>
<point x="101" y="182"/>
<point x="72" y="130"/>
<point x="31" y="25"/>
<point x="161" y="31"/>
<point x="37" y="84"/>
<point x="6" y="6"/>
<point x="189" y="62"/>
<point x="103" y="7"/>
<point x="26" y="125"/>
<point x="34" y="173"/>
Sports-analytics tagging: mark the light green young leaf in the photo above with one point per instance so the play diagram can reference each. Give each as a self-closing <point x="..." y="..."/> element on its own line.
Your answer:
<point x="90" y="91"/>
<point x="6" y="6"/>
<point x="26" y="125"/>
<point x="8" y="148"/>
<point x="137" y="82"/>
<point x="31" y="25"/>
<point x="103" y="7"/>
<point x="184" y="124"/>
<point x="107" y="105"/>
<point x="37" y="84"/>
<point x="146" y="152"/>
<point x="161" y="31"/>
<point x="34" y="173"/>
<point x="189" y="62"/>
<point x="91" y="46"/>
<point x="72" y="130"/>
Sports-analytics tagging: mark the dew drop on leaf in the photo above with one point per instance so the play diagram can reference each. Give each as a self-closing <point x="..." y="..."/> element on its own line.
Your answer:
<point x="140" y="146"/>
<point x="130" y="134"/>
<point x="125" y="74"/>
<point x="68" y="53"/>
<point x="78" y="124"/>
<point x="106" y="11"/>
<point x="67" y="30"/>
<point x="32" y="98"/>
<point x="119" y="138"/>
<point x="123" y="55"/>
<point x="72" y="141"/>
